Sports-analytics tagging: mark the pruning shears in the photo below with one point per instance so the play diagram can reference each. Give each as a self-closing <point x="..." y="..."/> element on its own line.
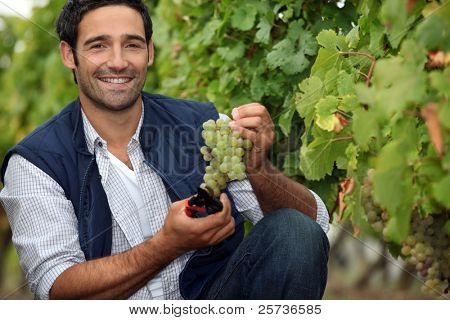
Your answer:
<point x="202" y="204"/>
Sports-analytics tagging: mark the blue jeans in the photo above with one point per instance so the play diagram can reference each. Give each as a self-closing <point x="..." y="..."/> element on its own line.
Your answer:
<point x="284" y="256"/>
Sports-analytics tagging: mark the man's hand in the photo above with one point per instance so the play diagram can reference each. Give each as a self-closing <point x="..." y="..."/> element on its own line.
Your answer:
<point x="273" y="190"/>
<point x="183" y="233"/>
<point x="253" y="122"/>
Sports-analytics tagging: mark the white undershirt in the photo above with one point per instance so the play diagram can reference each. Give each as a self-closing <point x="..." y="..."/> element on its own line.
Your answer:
<point x="130" y="183"/>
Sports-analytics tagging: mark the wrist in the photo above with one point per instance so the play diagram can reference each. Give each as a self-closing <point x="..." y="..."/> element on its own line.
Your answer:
<point x="165" y="243"/>
<point x="264" y="167"/>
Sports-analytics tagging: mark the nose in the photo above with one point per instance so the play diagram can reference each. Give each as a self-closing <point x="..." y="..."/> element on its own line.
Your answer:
<point x="117" y="60"/>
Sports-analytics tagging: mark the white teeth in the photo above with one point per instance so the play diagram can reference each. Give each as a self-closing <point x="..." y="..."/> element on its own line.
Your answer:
<point x="115" y="80"/>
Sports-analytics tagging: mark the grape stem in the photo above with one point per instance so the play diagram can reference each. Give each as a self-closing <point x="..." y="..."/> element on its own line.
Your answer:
<point x="372" y="66"/>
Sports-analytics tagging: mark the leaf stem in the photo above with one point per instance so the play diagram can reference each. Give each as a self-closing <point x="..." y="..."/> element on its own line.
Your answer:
<point x="342" y="138"/>
<point x="371" y="57"/>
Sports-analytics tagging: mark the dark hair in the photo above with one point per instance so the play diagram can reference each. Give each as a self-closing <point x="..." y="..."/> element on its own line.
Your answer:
<point x="74" y="10"/>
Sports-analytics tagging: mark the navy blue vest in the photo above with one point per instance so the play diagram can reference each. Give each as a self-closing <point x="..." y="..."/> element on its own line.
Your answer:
<point x="170" y="138"/>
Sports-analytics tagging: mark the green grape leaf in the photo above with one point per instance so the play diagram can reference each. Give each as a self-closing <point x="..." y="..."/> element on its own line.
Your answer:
<point x="391" y="184"/>
<point x="257" y="86"/>
<point x="397" y="84"/>
<point x="263" y="33"/>
<point x="331" y="78"/>
<point x="311" y="91"/>
<point x="291" y="164"/>
<point x="295" y="30"/>
<point x="325" y="109"/>
<point x="210" y="30"/>
<point x="327" y="39"/>
<point x="318" y="158"/>
<point x="398" y="226"/>
<point x="243" y="17"/>
<point x="355" y="207"/>
<point x="349" y="103"/>
<point x="405" y="131"/>
<point x="364" y="127"/>
<point x="231" y="53"/>
<point x="441" y="189"/>
<point x="296" y="63"/>
<point x="365" y="95"/>
<point x="345" y="83"/>
<point x="376" y="44"/>
<point x="440" y="81"/>
<point x="326" y="59"/>
<point x="352" y="158"/>
<point x="413" y="53"/>
<point x="444" y="113"/>
<point x="284" y="55"/>
<point x="280" y="53"/>
<point x="395" y="19"/>
<point x="286" y="117"/>
<point x="352" y="37"/>
<point x="308" y="43"/>
<point x="433" y="32"/>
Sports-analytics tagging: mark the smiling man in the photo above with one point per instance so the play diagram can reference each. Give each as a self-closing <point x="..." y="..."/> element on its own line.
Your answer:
<point x="96" y="195"/>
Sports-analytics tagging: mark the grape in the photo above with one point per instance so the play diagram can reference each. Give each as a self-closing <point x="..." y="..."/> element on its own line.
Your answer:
<point x="209" y="125"/>
<point x="239" y="152"/>
<point x="430" y="255"/>
<point x="235" y="159"/>
<point x="225" y="151"/>
<point x="426" y="247"/>
<point x="204" y="150"/>
<point x="248" y="144"/>
<point x="224" y="167"/>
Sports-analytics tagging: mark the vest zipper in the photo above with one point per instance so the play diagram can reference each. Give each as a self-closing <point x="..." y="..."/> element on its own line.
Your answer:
<point x="163" y="176"/>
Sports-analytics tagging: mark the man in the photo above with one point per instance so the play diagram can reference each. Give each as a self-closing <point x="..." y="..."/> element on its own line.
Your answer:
<point x="96" y="196"/>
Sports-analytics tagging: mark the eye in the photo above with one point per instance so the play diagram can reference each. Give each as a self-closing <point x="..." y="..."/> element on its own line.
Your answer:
<point x="133" y="45"/>
<point x="97" y="46"/>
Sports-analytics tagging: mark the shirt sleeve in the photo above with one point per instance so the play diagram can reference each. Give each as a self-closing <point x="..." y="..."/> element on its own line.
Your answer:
<point x="43" y="224"/>
<point x="247" y="203"/>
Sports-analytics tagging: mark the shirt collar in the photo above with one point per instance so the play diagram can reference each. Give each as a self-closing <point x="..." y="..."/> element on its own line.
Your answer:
<point x="93" y="139"/>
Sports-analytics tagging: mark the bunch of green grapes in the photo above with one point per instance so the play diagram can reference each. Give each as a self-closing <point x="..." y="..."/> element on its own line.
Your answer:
<point x="376" y="216"/>
<point x="225" y="151"/>
<point x="427" y="248"/>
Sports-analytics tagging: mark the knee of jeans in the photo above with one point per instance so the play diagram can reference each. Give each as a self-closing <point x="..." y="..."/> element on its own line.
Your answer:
<point x="296" y="232"/>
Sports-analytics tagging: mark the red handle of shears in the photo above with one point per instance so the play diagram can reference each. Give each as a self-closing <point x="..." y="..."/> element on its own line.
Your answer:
<point x="194" y="211"/>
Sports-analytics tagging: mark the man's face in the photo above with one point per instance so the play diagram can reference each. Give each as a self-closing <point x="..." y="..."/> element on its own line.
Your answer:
<point x="113" y="57"/>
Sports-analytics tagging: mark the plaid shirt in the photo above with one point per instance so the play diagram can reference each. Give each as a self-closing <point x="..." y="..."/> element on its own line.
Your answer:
<point x="45" y="228"/>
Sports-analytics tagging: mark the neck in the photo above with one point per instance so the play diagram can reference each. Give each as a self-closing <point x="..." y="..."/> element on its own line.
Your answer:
<point x="115" y="127"/>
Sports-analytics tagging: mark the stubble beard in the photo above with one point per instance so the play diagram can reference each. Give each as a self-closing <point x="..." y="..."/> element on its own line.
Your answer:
<point x="111" y="100"/>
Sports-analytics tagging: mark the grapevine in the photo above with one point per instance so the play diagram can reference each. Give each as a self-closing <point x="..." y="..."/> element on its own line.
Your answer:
<point x="365" y="84"/>
<point x="225" y="151"/>
<point x="376" y="114"/>
<point x="366" y="87"/>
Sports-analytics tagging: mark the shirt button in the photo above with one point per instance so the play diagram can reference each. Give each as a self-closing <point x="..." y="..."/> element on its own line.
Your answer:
<point x="100" y="144"/>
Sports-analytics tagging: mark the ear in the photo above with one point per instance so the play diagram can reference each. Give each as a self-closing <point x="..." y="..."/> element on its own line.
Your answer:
<point x="151" y="53"/>
<point x="67" y="55"/>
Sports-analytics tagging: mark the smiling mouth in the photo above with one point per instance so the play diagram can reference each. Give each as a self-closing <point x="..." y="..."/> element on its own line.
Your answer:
<point x="115" y="80"/>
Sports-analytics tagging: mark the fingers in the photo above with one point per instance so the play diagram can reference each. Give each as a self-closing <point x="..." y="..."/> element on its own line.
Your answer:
<point x="223" y="233"/>
<point x="250" y="110"/>
<point x="249" y="122"/>
<point x="246" y="133"/>
<point x="217" y="220"/>
<point x="223" y="217"/>
<point x="217" y="226"/>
